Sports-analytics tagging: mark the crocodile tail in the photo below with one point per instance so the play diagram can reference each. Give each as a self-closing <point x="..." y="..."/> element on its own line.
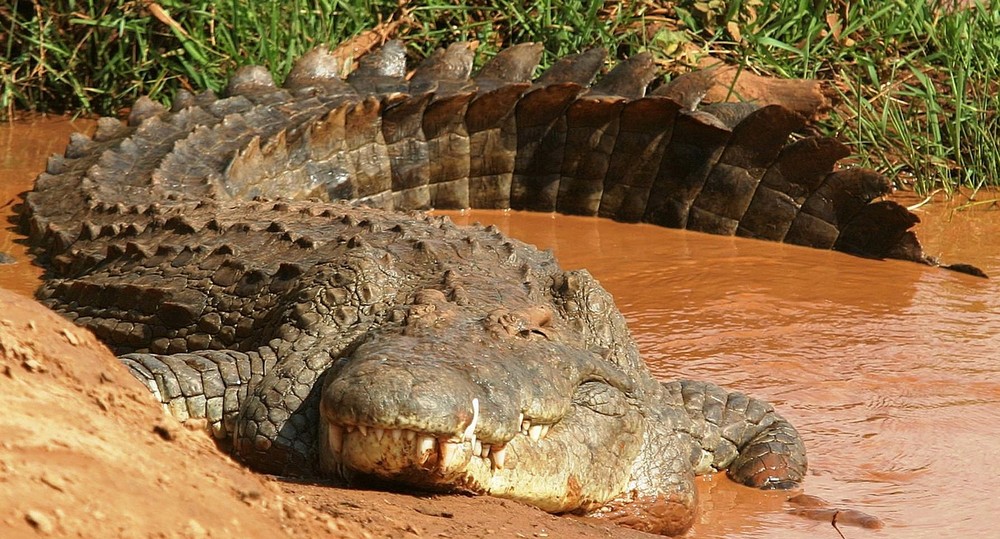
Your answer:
<point x="563" y="143"/>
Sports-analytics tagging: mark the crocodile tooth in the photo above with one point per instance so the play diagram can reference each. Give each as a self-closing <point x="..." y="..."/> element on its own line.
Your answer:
<point x="349" y="428"/>
<point x="525" y="426"/>
<point x="363" y="430"/>
<point x="470" y="431"/>
<point x="535" y="432"/>
<point x="335" y="437"/>
<point x="477" y="448"/>
<point x="449" y="454"/>
<point x="379" y="433"/>
<point x="545" y="430"/>
<point x="425" y="446"/>
<point x="498" y="456"/>
<point x="520" y="418"/>
<point x="484" y="451"/>
<point x="397" y="434"/>
<point x="410" y="435"/>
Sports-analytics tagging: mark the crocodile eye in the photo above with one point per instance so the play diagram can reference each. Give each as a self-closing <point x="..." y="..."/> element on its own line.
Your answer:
<point x="524" y="323"/>
<point x="530" y="332"/>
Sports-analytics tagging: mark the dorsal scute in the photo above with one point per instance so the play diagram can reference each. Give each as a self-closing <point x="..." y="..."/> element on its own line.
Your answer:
<point x="629" y="78"/>
<point x="249" y="80"/>
<point x="143" y="109"/>
<point x="580" y="68"/>
<point x="388" y="61"/>
<point x="451" y="64"/>
<point x="381" y="71"/>
<point x="107" y="129"/>
<point x="318" y="68"/>
<point x="514" y="64"/>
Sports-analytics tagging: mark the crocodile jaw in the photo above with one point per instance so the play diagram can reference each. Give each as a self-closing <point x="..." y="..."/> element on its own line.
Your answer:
<point x="510" y="401"/>
<point x="524" y="469"/>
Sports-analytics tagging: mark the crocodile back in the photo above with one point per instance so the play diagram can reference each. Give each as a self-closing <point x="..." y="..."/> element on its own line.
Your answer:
<point x="438" y="138"/>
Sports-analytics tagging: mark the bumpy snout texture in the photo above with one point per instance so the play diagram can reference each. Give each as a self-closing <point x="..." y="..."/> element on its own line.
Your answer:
<point x="487" y="401"/>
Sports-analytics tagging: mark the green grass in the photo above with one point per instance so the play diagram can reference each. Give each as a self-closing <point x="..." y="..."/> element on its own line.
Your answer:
<point x="918" y="78"/>
<point x="98" y="56"/>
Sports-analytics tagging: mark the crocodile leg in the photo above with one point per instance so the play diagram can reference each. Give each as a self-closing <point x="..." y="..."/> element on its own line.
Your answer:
<point x="268" y="409"/>
<point x="337" y="306"/>
<point x="740" y="434"/>
<point x="275" y="431"/>
<point x="661" y="497"/>
<point x="264" y="399"/>
<point x="209" y="384"/>
<point x="723" y="431"/>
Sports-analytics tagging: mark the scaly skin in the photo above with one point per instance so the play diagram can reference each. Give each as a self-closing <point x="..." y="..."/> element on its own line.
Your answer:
<point x="349" y="341"/>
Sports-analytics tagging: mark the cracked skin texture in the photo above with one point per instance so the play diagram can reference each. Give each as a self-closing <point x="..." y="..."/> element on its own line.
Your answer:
<point x="358" y="342"/>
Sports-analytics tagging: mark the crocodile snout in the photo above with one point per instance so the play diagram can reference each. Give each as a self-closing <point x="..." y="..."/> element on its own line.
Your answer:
<point x="451" y="396"/>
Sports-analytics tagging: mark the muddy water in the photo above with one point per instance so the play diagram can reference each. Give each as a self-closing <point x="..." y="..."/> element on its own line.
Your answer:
<point x="890" y="370"/>
<point x="24" y="147"/>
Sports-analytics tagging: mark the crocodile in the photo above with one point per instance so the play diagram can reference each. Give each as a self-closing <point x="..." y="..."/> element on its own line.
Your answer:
<point x="258" y="260"/>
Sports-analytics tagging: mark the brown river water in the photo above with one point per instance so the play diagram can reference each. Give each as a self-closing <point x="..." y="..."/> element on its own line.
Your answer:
<point x="890" y="370"/>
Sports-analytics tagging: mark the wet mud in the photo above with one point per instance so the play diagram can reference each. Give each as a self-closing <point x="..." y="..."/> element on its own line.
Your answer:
<point x="889" y="369"/>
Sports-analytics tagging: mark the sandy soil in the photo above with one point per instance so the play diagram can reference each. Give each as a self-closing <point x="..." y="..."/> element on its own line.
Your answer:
<point x="86" y="452"/>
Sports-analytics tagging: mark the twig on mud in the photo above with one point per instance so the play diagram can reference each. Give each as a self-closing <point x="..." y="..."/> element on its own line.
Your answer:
<point x="833" y="522"/>
<point x="161" y="15"/>
<point x="992" y="203"/>
<point x="926" y="199"/>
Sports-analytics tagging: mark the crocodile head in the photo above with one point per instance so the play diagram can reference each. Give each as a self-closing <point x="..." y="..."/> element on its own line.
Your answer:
<point x="519" y="401"/>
